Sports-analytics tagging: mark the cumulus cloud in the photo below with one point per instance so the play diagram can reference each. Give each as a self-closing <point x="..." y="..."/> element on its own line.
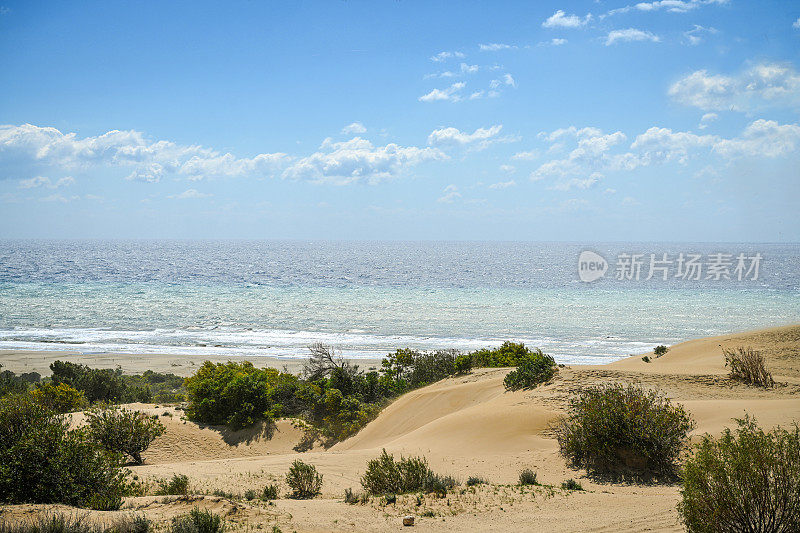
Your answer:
<point x="453" y="136"/>
<point x="705" y="119"/>
<point x="762" y="138"/>
<point x="443" y="56"/>
<point x="761" y="86"/>
<point x="595" y="152"/>
<point x="494" y="47"/>
<point x="695" y="35"/>
<point x="43" y="181"/>
<point x="630" y="35"/>
<point x="796" y="24"/>
<point x="670" y="6"/>
<point x="449" y="94"/>
<point x="355" y="128"/>
<point x="553" y="42"/>
<point x="189" y="194"/>
<point x="503" y="184"/>
<point x="450" y="195"/>
<point x="358" y="160"/>
<point x="560" y="19"/>
<point x="33" y="147"/>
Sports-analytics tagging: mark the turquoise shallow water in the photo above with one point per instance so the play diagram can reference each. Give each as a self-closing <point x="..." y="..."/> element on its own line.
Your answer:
<point x="275" y="298"/>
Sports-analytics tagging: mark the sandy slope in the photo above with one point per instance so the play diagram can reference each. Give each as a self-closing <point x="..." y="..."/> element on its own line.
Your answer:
<point x="470" y="426"/>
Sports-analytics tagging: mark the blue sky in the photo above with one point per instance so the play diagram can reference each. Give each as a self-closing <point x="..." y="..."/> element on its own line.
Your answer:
<point x="582" y="121"/>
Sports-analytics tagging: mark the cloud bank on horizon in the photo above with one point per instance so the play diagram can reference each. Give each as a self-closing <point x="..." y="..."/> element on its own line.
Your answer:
<point x="655" y="110"/>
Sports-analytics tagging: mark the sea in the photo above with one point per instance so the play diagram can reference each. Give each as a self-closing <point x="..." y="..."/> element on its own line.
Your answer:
<point x="366" y="299"/>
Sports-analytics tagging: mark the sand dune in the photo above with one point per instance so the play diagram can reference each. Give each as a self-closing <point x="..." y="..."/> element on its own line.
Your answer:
<point x="471" y="426"/>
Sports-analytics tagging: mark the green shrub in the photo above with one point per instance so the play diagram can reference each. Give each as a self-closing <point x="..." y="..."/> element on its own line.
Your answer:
<point x="622" y="431"/>
<point x="463" y="364"/>
<point x="124" y="431"/>
<point x="427" y="368"/>
<point x="747" y="365"/>
<point x="660" y="350"/>
<point x="743" y="481"/>
<point x="508" y="354"/>
<point x="234" y="394"/>
<point x="61" y="398"/>
<point x="475" y="480"/>
<point x="10" y="383"/>
<point x="389" y="499"/>
<point x="304" y="480"/>
<point x="384" y="475"/>
<point x="178" y="484"/>
<point x="43" y="461"/>
<point x="350" y="497"/>
<point x="646" y="358"/>
<point x="50" y="522"/>
<point x="249" y="494"/>
<point x="197" y="521"/>
<point x="571" y="484"/>
<point x="527" y="477"/>
<point x="270" y="492"/>
<point x="533" y="369"/>
<point x="97" y="384"/>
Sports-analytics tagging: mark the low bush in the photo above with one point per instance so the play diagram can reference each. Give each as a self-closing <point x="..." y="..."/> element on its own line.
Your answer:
<point x="270" y="492"/>
<point x="197" y="521"/>
<point x="304" y="480"/>
<point x="97" y="384"/>
<point x="384" y="475"/>
<point x="646" y="358"/>
<point x="52" y="522"/>
<point x="527" y="477"/>
<point x="508" y="354"/>
<point x="123" y="430"/>
<point x="534" y="368"/>
<point x="571" y="484"/>
<point x="475" y="480"/>
<point x="61" y="398"/>
<point x="622" y="431"/>
<point x="178" y="484"/>
<point x="351" y="497"/>
<point x="747" y="365"/>
<point x="463" y="364"/>
<point x="10" y="383"/>
<point x="250" y="494"/>
<point x="43" y="461"/>
<point x="747" y="480"/>
<point x="660" y="350"/>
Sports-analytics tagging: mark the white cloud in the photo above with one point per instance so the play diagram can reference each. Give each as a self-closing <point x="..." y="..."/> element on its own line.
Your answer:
<point x="189" y="194"/>
<point x="43" y="181"/>
<point x="464" y="69"/>
<point x="450" y="195"/>
<point x="796" y="24"/>
<point x="442" y="56"/>
<point x="705" y="119"/>
<point x="671" y="6"/>
<point x="761" y="86"/>
<point x="762" y="138"/>
<point x="553" y="42"/>
<point x="559" y="19"/>
<point x="578" y="183"/>
<point x="454" y="136"/>
<point x="59" y="198"/>
<point x="695" y="35"/>
<point x="630" y="35"/>
<point x="503" y="184"/>
<point x="358" y="160"/>
<point x="528" y="155"/>
<point x="450" y="94"/>
<point x="662" y="144"/>
<point x="509" y="169"/>
<point x="477" y="94"/>
<point x="494" y="47"/>
<point x="36" y="147"/>
<point x="354" y="129"/>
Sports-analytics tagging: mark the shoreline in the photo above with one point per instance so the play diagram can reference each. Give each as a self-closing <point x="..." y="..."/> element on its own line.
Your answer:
<point x="184" y="365"/>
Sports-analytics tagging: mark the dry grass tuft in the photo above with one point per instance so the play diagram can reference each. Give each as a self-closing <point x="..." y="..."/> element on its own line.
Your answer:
<point x="747" y="365"/>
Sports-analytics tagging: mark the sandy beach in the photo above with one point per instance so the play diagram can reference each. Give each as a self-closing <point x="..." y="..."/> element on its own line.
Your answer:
<point x="465" y="426"/>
